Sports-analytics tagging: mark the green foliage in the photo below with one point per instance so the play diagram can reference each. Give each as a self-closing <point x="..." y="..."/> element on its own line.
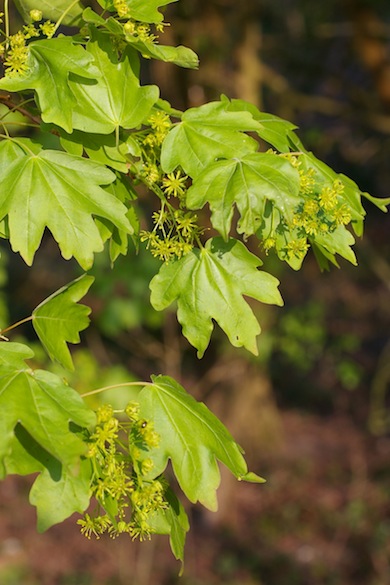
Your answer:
<point x="81" y="93"/>
<point x="209" y="284"/>
<point x="59" y="319"/>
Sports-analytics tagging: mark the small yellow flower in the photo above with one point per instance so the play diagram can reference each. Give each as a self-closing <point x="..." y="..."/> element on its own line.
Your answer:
<point x="297" y="248"/>
<point x="121" y="8"/>
<point x="186" y="223"/>
<point x="174" y="184"/>
<point x="342" y="215"/>
<point x="311" y="226"/>
<point x="268" y="244"/>
<point x="129" y="27"/>
<point x="48" y="29"/>
<point x="310" y="207"/>
<point x="328" y="198"/>
<point x="36" y="15"/>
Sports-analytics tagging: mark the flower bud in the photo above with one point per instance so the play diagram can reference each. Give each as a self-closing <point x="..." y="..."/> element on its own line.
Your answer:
<point x="36" y="15"/>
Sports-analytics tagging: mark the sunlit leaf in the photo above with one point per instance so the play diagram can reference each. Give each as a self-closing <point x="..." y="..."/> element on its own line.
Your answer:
<point x="247" y="182"/>
<point x="208" y="285"/>
<point x="50" y="63"/>
<point x="116" y="98"/>
<point x="206" y="134"/>
<point x="193" y="439"/>
<point x="62" y="192"/>
<point x="43" y="404"/>
<point x="59" y="319"/>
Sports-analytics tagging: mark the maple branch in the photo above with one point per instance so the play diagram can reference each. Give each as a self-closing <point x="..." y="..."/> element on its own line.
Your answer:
<point x="7" y="101"/>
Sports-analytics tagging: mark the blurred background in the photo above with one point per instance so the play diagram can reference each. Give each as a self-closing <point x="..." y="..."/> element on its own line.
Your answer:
<point x="312" y="411"/>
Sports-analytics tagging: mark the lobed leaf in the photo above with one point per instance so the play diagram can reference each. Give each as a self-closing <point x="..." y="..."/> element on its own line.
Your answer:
<point x="181" y="56"/>
<point x="58" y="491"/>
<point x="192" y="438"/>
<point x="209" y="284"/>
<point x="62" y="192"/>
<point x="51" y="61"/>
<point x="43" y="404"/>
<point x="59" y="319"/>
<point x="247" y="182"/>
<point x="206" y="134"/>
<point x="116" y="98"/>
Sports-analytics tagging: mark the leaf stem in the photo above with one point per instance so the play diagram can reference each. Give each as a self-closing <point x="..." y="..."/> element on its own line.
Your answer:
<point x="61" y="18"/>
<point x="6" y="17"/>
<point x="16" y="325"/>
<point x="122" y="385"/>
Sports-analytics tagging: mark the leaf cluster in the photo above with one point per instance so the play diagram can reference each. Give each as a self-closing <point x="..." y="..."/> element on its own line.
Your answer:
<point x="225" y="167"/>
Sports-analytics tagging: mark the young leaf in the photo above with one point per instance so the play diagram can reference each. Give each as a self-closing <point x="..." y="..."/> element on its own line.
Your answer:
<point x="338" y="242"/>
<point x="247" y="182"/>
<point x="206" y="134"/>
<point x="42" y="404"/>
<point x="50" y="63"/>
<point x="181" y="56"/>
<point x="192" y="438"/>
<point x="62" y="192"/>
<point x="116" y="99"/>
<point x="52" y="9"/>
<point x="59" y="319"/>
<point x="209" y="284"/>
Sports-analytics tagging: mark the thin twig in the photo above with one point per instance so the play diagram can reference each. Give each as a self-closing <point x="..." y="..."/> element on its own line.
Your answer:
<point x="7" y="101"/>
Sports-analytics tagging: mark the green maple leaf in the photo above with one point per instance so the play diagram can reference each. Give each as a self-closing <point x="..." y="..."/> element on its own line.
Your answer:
<point x="58" y="491"/>
<point x="247" y="182"/>
<point x="206" y="134"/>
<point x="115" y="99"/>
<point x="52" y="10"/>
<point x="62" y="192"/>
<point x="181" y="56"/>
<point x="42" y="404"/>
<point x="59" y="319"/>
<point x="193" y="439"/>
<point x="50" y="63"/>
<point x="209" y="284"/>
<point x="141" y="10"/>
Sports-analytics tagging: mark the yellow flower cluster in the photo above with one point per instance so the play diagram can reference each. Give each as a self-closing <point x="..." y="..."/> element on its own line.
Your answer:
<point x="323" y="208"/>
<point x="174" y="233"/>
<point x="119" y="470"/>
<point x="121" y="8"/>
<point x="16" y="49"/>
<point x="323" y="212"/>
<point x="140" y="31"/>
